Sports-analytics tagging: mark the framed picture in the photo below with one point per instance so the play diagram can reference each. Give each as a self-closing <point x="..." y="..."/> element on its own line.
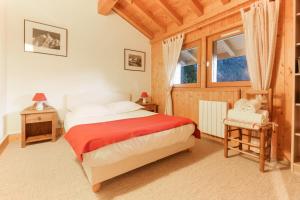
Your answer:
<point x="134" y="60"/>
<point x="45" y="39"/>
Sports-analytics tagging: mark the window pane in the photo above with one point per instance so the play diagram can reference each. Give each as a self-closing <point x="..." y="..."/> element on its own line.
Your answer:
<point x="187" y="66"/>
<point x="189" y="74"/>
<point x="229" y="60"/>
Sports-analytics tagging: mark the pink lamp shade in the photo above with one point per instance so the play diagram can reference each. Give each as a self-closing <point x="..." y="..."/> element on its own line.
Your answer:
<point x="144" y="94"/>
<point x="39" y="97"/>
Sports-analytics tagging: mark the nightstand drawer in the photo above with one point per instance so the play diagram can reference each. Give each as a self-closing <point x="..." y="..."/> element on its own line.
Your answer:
<point x="150" y="107"/>
<point x="33" y="118"/>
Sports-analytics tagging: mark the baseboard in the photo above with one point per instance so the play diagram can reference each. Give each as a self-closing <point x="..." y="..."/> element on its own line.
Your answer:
<point x="9" y="139"/>
<point x="14" y="137"/>
<point x="17" y="137"/>
<point x="213" y="138"/>
<point x="284" y="160"/>
<point x="4" y="143"/>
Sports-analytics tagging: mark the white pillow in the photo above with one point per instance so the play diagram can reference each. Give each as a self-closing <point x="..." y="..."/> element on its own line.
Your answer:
<point x="123" y="106"/>
<point x="94" y="97"/>
<point x="91" y="110"/>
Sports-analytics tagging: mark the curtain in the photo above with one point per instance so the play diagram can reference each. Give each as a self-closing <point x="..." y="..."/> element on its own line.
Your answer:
<point x="171" y="51"/>
<point x="260" y="27"/>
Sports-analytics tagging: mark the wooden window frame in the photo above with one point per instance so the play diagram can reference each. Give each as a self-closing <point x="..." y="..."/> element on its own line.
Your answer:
<point x="191" y="45"/>
<point x="210" y="43"/>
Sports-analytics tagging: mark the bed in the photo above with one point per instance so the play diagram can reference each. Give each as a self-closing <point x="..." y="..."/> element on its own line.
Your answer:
<point x="119" y="157"/>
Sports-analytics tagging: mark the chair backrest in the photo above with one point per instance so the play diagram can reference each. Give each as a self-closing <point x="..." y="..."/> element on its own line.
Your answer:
<point x="267" y="98"/>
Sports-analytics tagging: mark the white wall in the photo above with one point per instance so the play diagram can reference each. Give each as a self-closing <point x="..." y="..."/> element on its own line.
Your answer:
<point x="2" y="66"/>
<point x="94" y="62"/>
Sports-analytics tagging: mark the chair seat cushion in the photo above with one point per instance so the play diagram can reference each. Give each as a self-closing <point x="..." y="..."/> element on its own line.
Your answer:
<point x="259" y="117"/>
<point x="246" y="125"/>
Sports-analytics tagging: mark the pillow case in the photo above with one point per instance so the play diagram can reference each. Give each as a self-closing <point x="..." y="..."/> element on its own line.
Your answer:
<point x="94" y="97"/>
<point x="91" y="110"/>
<point x="123" y="106"/>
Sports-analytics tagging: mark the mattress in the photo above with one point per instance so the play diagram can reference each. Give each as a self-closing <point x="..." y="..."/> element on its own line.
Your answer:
<point x="118" y="151"/>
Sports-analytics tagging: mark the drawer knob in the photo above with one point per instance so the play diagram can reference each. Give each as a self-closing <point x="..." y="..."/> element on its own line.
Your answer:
<point x="39" y="118"/>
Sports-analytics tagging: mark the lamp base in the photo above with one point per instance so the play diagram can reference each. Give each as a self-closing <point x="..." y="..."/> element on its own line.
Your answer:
<point x="144" y="100"/>
<point x="39" y="105"/>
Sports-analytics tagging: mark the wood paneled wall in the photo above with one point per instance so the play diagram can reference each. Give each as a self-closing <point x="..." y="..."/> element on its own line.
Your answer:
<point x="186" y="99"/>
<point x="158" y="71"/>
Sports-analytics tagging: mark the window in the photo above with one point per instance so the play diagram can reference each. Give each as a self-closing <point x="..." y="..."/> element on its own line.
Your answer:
<point x="229" y="64"/>
<point x="187" y="68"/>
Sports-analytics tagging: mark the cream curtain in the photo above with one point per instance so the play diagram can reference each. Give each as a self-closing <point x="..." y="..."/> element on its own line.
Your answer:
<point x="260" y="26"/>
<point x="171" y="51"/>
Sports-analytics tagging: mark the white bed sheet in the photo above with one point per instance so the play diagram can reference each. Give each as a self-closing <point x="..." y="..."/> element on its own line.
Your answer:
<point x="115" y="152"/>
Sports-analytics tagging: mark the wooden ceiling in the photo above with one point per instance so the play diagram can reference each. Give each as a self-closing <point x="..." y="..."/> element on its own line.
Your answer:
<point x="157" y="18"/>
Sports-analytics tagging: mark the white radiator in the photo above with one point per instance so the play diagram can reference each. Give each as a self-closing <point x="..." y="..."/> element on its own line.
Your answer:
<point x="211" y="115"/>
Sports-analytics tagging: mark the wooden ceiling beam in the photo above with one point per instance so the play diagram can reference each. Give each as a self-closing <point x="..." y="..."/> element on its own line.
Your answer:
<point x="138" y="6"/>
<point x="106" y="6"/>
<point x="196" y="7"/>
<point x="122" y="13"/>
<point x="170" y="12"/>
<point x="225" y="1"/>
<point x="213" y="16"/>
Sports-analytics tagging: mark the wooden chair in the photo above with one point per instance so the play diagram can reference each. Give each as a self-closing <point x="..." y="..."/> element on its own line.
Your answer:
<point x="263" y="132"/>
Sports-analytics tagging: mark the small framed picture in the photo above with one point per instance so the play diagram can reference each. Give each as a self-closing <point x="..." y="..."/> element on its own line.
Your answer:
<point x="134" y="60"/>
<point x="45" y="39"/>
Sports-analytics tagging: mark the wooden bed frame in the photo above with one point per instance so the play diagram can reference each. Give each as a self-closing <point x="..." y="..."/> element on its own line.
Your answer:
<point x="96" y="175"/>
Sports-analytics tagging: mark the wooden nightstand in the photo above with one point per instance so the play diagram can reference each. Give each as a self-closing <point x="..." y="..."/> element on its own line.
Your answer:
<point x="149" y="106"/>
<point x="38" y="125"/>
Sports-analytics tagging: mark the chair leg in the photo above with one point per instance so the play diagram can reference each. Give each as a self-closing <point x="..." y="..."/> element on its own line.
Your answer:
<point x="226" y="142"/>
<point x="240" y="138"/>
<point x="249" y="138"/>
<point x="269" y="144"/>
<point x="262" y="151"/>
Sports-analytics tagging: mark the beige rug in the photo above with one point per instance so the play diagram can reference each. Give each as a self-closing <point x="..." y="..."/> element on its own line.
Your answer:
<point x="50" y="171"/>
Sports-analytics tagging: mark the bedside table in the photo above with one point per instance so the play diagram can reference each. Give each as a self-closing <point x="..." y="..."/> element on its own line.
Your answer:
<point x="150" y="107"/>
<point x="38" y="125"/>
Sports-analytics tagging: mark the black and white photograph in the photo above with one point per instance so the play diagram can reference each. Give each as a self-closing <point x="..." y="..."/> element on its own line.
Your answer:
<point x="134" y="60"/>
<point x="45" y="39"/>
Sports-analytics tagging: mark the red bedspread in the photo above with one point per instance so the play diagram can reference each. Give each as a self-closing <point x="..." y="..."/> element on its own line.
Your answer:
<point x="88" y="137"/>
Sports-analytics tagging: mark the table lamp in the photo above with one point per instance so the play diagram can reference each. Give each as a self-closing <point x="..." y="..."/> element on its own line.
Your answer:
<point x="39" y="98"/>
<point x="144" y="96"/>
